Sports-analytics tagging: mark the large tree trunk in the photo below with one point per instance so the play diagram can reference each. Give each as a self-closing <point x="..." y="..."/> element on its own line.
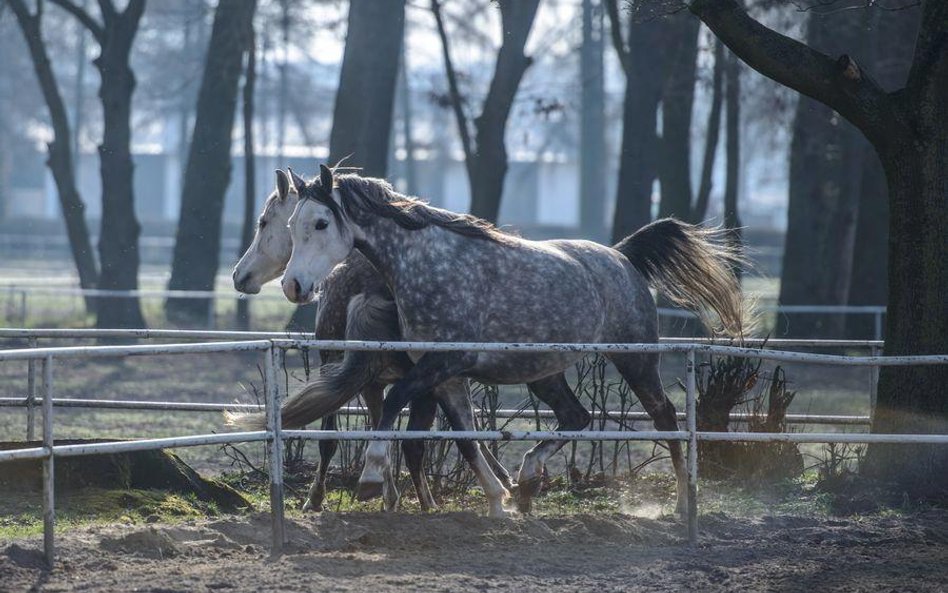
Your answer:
<point x="490" y="162"/>
<point x="592" y="162"/>
<point x="118" y="237"/>
<point x="60" y="160"/>
<point x="907" y="129"/>
<point x="911" y="399"/>
<point x="645" y="77"/>
<point x="362" y="117"/>
<point x="826" y="159"/>
<point x="197" y="246"/>
<point x="674" y="167"/>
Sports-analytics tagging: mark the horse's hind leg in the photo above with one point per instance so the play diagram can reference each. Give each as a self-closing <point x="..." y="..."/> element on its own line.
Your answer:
<point x="421" y="417"/>
<point x="327" y="450"/>
<point x="641" y="373"/>
<point x="455" y="399"/>
<point x="373" y="394"/>
<point x="555" y="392"/>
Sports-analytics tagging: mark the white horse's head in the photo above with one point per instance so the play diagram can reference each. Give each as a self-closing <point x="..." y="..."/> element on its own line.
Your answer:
<point x="270" y="250"/>
<point x="322" y="235"/>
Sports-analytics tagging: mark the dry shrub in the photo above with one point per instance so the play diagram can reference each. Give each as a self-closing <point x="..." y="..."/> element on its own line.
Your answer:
<point x="731" y="384"/>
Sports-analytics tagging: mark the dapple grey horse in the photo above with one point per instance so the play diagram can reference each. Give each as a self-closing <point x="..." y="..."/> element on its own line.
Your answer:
<point x="354" y="304"/>
<point x="456" y="278"/>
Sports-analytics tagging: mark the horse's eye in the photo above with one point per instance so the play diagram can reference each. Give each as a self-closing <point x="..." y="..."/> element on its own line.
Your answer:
<point x="321" y="224"/>
<point x="262" y="224"/>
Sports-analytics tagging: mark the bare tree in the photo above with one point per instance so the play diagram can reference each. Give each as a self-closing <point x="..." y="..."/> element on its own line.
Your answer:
<point x="732" y="149"/>
<point x="197" y="246"/>
<point x="118" y="236"/>
<point x="485" y="153"/>
<point x="60" y="151"/>
<point x="906" y="128"/>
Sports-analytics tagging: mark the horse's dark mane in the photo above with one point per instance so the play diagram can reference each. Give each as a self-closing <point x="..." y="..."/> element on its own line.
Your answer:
<point x="366" y="196"/>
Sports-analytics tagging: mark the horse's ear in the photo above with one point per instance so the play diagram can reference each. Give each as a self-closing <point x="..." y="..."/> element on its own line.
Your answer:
<point x="282" y="183"/>
<point x="298" y="182"/>
<point x="325" y="177"/>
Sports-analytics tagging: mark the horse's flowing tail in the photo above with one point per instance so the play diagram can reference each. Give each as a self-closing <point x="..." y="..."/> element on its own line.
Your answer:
<point x="336" y="385"/>
<point x="694" y="267"/>
<point x="369" y="317"/>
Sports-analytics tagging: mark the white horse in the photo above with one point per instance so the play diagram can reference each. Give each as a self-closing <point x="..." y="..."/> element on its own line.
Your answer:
<point x="456" y="278"/>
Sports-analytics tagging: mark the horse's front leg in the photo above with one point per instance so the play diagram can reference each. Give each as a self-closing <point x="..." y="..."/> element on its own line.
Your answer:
<point x="372" y="394"/>
<point x="431" y="370"/>
<point x="327" y="450"/>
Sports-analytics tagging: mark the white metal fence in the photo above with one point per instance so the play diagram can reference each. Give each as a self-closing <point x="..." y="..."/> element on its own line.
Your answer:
<point x="273" y="351"/>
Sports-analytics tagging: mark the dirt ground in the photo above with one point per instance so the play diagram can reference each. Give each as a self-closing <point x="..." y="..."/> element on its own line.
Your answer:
<point x="457" y="552"/>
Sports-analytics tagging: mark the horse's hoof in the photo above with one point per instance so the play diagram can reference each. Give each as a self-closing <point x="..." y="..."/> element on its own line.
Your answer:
<point x="368" y="491"/>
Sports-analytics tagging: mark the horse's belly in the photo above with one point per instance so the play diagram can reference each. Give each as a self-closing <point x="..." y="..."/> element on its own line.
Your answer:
<point x="509" y="368"/>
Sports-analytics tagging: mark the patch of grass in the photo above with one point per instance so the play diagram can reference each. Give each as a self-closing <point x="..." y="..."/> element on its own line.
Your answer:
<point x="22" y="515"/>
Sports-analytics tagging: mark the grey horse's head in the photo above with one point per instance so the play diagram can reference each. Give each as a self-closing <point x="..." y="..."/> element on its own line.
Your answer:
<point x="323" y="236"/>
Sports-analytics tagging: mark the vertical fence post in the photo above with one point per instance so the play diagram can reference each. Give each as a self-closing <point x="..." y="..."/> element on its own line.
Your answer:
<point x="877" y="324"/>
<point x="274" y="355"/>
<point x="49" y="510"/>
<point x="873" y="384"/>
<point x="692" y="423"/>
<point x="31" y="395"/>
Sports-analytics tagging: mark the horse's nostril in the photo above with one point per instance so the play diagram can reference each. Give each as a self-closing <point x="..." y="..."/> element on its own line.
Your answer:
<point x="297" y="290"/>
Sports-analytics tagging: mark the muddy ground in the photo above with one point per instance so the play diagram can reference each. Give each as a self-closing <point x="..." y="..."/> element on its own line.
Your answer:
<point x="456" y="552"/>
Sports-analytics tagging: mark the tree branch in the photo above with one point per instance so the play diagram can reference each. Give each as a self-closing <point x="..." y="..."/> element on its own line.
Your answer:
<point x="615" y="32"/>
<point x="840" y="84"/>
<point x="83" y="17"/>
<point x="456" y="100"/>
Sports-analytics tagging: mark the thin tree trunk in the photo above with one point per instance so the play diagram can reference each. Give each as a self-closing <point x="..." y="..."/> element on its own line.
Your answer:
<point x="712" y="132"/>
<point x="732" y="219"/>
<point x="365" y="98"/>
<point x="60" y="159"/>
<point x="250" y="181"/>
<point x="118" y="237"/>
<point x="196" y="255"/>
<point x="674" y="167"/>
<point x="592" y="161"/>
<point x="490" y="164"/>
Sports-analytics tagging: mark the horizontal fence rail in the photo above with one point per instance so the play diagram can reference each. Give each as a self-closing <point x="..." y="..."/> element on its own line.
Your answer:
<point x="614" y="415"/>
<point x="273" y="350"/>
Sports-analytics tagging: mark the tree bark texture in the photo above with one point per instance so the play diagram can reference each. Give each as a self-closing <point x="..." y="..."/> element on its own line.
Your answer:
<point x="196" y="255"/>
<point x="250" y="178"/>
